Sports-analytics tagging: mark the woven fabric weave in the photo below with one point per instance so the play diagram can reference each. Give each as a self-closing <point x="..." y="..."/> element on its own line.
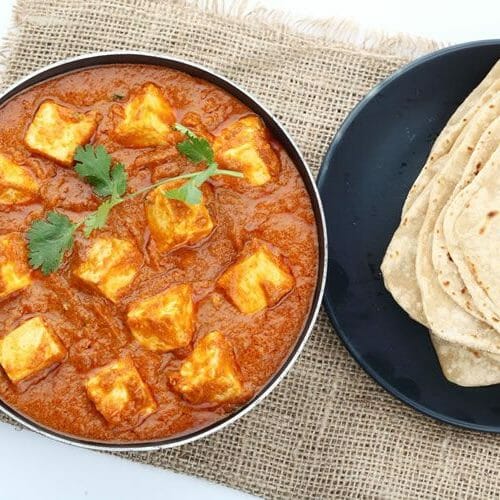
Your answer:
<point x="327" y="430"/>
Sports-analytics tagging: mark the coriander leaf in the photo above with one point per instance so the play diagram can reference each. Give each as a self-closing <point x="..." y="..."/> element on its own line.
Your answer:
<point x="188" y="193"/>
<point x="94" y="165"/>
<point x="197" y="150"/>
<point x="204" y="175"/>
<point x="119" y="179"/>
<point x="194" y="148"/>
<point x="98" y="219"/>
<point x="48" y="240"/>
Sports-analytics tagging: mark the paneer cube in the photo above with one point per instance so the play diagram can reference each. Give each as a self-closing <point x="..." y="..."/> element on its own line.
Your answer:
<point x="210" y="373"/>
<point x="120" y="394"/>
<point x="165" y="321"/>
<point x="17" y="185"/>
<point x="56" y="131"/>
<point x="244" y="146"/>
<point x="29" y="349"/>
<point x="174" y="223"/>
<point x="110" y="265"/>
<point x="258" y="280"/>
<point x="147" y="119"/>
<point x="15" y="273"/>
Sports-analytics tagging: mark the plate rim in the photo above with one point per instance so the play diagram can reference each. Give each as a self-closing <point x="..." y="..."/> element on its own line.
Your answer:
<point x="321" y="182"/>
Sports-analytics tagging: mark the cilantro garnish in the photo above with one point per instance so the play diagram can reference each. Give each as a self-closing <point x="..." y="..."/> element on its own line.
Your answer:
<point x="94" y="165"/>
<point x="98" y="219"/>
<point x="48" y="241"/>
<point x="51" y="238"/>
<point x="194" y="148"/>
<point x="197" y="150"/>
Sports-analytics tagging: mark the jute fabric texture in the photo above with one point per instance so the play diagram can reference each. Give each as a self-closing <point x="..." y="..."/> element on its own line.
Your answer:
<point x="328" y="430"/>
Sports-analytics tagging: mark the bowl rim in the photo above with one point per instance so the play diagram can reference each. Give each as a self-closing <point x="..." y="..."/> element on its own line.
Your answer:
<point x="95" y="59"/>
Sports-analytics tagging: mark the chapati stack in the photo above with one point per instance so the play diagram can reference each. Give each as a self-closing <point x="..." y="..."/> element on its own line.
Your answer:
<point x="443" y="263"/>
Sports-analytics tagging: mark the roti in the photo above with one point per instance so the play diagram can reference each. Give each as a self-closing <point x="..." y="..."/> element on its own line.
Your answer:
<point x="399" y="263"/>
<point x="472" y="233"/>
<point x="444" y="142"/>
<point x="449" y="277"/>
<point x="444" y="316"/>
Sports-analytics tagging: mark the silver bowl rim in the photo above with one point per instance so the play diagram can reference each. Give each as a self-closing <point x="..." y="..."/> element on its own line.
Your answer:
<point x="95" y="59"/>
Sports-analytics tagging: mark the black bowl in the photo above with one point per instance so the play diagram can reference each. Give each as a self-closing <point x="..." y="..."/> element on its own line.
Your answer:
<point x="365" y="177"/>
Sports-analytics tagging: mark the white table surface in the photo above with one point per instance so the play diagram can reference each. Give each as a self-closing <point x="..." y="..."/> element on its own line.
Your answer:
<point x="35" y="467"/>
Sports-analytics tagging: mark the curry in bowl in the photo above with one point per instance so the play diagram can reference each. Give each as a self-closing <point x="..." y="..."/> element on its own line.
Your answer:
<point x="158" y="253"/>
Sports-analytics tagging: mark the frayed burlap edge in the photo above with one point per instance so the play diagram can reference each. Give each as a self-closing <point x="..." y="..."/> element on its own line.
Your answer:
<point x="344" y="32"/>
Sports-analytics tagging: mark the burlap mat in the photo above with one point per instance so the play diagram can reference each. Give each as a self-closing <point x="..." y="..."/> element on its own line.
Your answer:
<point x="327" y="430"/>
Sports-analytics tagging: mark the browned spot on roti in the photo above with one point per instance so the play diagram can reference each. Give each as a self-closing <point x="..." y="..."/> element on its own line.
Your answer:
<point x="492" y="213"/>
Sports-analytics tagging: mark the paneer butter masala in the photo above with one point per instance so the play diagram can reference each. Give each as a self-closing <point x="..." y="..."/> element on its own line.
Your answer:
<point x="158" y="253"/>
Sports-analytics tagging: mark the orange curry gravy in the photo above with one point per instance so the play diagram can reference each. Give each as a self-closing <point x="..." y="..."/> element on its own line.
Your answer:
<point x="91" y="327"/>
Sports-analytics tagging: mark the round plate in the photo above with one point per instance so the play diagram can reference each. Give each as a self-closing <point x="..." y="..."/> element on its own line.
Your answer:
<point x="365" y="177"/>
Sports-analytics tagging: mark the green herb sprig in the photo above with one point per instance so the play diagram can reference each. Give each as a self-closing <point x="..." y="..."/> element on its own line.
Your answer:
<point x="51" y="238"/>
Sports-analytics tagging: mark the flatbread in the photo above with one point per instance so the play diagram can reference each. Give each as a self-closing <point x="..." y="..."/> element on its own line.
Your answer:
<point x="464" y="366"/>
<point x="464" y="113"/>
<point x="449" y="277"/>
<point x="446" y="319"/>
<point x="461" y="364"/>
<point x="472" y="233"/>
<point x="398" y="266"/>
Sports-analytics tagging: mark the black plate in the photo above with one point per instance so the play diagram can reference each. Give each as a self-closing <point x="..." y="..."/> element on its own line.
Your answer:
<point x="364" y="180"/>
